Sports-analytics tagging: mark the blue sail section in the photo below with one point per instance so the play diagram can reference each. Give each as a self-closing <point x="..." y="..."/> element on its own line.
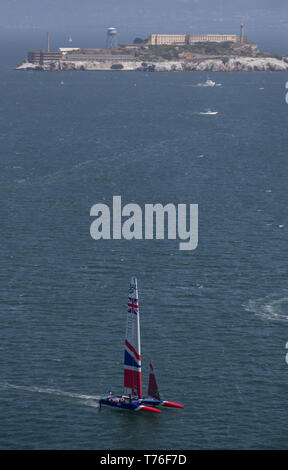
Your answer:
<point x="130" y="361"/>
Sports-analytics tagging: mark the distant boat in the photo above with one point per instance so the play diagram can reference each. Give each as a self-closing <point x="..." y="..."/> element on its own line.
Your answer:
<point x="209" y="112"/>
<point x="70" y="39"/>
<point x="209" y="83"/>
<point x="132" y="399"/>
<point x="62" y="83"/>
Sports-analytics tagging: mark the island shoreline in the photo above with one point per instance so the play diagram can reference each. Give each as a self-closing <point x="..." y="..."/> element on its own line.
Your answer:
<point x="205" y="64"/>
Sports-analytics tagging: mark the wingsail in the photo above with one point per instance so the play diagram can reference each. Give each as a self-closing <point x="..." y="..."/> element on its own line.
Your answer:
<point x="132" y="355"/>
<point x="152" y="385"/>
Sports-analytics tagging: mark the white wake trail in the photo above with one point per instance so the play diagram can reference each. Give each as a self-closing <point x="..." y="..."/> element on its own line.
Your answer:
<point x="88" y="400"/>
<point x="270" y="307"/>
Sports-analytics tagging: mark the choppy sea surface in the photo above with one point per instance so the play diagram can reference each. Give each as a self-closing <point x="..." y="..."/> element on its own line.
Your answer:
<point x="214" y="320"/>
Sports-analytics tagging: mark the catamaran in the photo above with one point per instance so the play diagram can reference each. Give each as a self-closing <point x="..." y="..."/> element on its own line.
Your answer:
<point x="132" y="398"/>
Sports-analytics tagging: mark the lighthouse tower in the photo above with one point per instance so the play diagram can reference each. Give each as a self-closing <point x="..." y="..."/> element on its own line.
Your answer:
<point x="242" y="37"/>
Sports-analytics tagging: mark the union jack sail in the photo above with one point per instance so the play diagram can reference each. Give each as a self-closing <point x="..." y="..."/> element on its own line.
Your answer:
<point x="132" y="356"/>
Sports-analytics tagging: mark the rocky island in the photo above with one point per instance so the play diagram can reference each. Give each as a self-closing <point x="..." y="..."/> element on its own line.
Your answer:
<point x="162" y="53"/>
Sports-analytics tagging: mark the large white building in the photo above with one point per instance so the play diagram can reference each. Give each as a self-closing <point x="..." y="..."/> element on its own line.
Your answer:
<point x="171" y="39"/>
<point x="192" y="38"/>
<point x="181" y="39"/>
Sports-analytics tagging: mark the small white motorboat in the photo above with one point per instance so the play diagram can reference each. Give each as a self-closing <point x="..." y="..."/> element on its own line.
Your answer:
<point x="209" y="83"/>
<point x="209" y="112"/>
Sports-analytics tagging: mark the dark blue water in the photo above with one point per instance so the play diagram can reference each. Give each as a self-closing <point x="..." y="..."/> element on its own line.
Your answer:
<point x="213" y="320"/>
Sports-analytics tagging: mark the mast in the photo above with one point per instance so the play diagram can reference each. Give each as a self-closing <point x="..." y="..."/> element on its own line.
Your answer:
<point x="132" y="354"/>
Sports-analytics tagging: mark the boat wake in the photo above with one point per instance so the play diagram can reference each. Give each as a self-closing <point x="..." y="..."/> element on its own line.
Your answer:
<point x="270" y="307"/>
<point x="56" y="176"/>
<point x="87" y="400"/>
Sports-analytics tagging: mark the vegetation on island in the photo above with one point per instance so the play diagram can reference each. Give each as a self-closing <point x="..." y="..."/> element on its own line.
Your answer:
<point x="139" y="41"/>
<point x="187" y="51"/>
<point x="270" y="54"/>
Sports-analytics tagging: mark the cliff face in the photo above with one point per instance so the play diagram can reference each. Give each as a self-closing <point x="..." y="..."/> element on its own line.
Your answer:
<point x="235" y="64"/>
<point x="203" y="64"/>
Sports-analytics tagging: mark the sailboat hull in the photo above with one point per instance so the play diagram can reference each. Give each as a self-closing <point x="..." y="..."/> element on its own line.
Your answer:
<point x="167" y="404"/>
<point x="123" y="403"/>
<point x="170" y="404"/>
<point x="149" y="405"/>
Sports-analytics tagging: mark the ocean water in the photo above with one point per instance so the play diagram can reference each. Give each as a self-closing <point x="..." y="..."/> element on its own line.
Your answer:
<point x="214" y="320"/>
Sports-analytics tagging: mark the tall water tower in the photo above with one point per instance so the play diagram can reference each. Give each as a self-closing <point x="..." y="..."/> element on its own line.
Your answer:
<point x="111" y="41"/>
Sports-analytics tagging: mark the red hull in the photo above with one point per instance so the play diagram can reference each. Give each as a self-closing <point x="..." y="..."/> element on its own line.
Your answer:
<point x="170" y="404"/>
<point x="149" y="409"/>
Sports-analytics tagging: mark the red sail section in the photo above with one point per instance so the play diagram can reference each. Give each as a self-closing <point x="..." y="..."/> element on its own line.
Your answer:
<point x="132" y="381"/>
<point x="152" y="385"/>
